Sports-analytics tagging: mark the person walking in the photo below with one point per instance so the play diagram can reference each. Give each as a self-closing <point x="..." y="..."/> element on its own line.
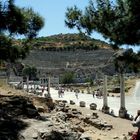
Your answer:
<point x="76" y="94"/>
<point x="59" y="92"/>
<point x="93" y="94"/>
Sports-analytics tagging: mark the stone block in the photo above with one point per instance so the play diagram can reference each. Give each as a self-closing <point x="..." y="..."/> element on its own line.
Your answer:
<point x="82" y="104"/>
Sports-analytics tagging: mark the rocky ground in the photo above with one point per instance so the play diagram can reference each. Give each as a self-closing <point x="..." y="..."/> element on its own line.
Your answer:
<point x="27" y="117"/>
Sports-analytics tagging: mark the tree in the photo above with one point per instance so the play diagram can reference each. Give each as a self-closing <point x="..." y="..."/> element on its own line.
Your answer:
<point x="30" y="71"/>
<point x="16" y="21"/>
<point x="125" y="61"/>
<point x="119" y="22"/>
<point x="68" y="78"/>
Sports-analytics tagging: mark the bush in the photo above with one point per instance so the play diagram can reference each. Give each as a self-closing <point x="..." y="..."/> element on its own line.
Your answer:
<point x="67" y="78"/>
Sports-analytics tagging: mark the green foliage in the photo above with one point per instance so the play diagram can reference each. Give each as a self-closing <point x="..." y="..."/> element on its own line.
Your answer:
<point x="30" y="71"/>
<point x="73" y="17"/>
<point x="67" y="42"/>
<point x="33" y="22"/>
<point x="127" y="61"/>
<point x="67" y="78"/>
<point x="90" y="81"/>
<point x="118" y="21"/>
<point x="16" y="21"/>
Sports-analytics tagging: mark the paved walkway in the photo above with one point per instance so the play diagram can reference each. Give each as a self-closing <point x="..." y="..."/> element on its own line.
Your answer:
<point x="132" y="103"/>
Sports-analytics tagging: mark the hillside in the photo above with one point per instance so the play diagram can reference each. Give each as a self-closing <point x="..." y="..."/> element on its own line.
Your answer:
<point x="82" y="55"/>
<point x="68" y="42"/>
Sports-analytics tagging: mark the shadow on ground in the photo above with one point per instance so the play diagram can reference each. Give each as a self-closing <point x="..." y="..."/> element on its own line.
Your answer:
<point x="10" y="128"/>
<point x="12" y="110"/>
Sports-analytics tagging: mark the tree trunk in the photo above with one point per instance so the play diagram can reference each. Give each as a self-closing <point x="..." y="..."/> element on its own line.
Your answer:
<point x="122" y="111"/>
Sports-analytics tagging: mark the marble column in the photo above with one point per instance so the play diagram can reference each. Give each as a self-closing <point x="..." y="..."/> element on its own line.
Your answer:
<point x="27" y="82"/>
<point x="105" y="107"/>
<point x="122" y="111"/>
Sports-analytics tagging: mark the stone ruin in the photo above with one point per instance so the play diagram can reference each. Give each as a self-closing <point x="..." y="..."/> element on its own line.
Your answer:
<point x="67" y="123"/>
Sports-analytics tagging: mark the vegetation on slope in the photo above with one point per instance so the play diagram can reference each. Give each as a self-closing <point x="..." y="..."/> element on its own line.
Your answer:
<point x="67" y="42"/>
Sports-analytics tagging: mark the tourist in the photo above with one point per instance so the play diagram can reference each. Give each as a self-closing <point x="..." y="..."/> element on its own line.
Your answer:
<point x="136" y="123"/>
<point x="43" y="88"/>
<point x="62" y="92"/>
<point x="37" y="88"/>
<point x="59" y="93"/>
<point x="76" y="94"/>
<point x="112" y="113"/>
<point x="93" y="94"/>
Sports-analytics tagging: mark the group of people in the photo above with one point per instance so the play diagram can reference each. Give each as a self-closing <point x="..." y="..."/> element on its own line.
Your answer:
<point x="60" y="92"/>
<point x="97" y="94"/>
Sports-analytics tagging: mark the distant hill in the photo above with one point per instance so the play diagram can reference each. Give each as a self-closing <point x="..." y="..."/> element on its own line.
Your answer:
<point x="80" y="54"/>
<point x="68" y="42"/>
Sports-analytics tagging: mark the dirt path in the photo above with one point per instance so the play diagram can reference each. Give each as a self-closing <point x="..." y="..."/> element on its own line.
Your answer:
<point x="121" y="127"/>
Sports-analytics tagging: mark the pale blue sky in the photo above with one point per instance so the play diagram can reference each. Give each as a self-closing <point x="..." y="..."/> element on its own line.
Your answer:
<point x="53" y="12"/>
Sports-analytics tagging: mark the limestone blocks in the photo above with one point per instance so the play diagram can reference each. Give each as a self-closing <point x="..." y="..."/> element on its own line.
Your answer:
<point x="93" y="106"/>
<point x="82" y="104"/>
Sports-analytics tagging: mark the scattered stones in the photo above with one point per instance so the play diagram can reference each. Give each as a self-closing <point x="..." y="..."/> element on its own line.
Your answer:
<point x="40" y="109"/>
<point x="9" y="92"/>
<point x="59" y="135"/>
<point x="115" y="137"/>
<point x="95" y="115"/>
<point x="98" y="123"/>
<point x="93" y="106"/>
<point x="64" y="101"/>
<point x="78" y="129"/>
<point x="35" y="135"/>
<point x="82" y="104"/>
<point x="72" y="102"/>
<point x="85" y="137"/>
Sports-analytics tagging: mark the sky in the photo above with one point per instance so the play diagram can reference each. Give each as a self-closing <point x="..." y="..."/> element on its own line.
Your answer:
<point x="53" y="12"/>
